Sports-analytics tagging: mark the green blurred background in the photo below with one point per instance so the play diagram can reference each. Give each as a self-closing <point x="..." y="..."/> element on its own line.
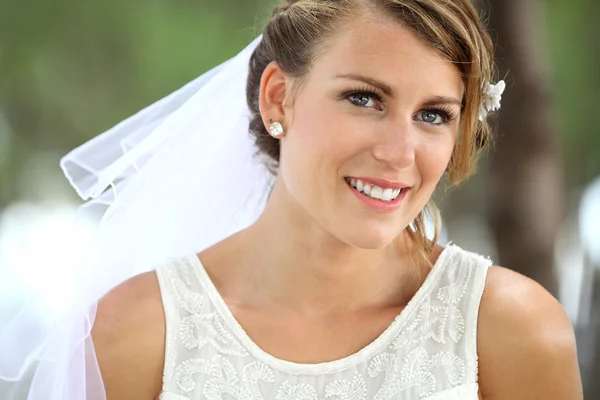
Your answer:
<point x="70" y="70"/>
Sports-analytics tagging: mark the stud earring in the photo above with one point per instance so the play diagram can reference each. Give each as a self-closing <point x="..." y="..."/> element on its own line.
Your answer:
<point x="275" y="128"/>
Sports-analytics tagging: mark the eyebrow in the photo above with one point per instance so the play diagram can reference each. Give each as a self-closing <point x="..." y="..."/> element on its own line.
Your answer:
<point x="374" y="82"/>
<point x="438" y="100"/>
<point x="434" y="101"/>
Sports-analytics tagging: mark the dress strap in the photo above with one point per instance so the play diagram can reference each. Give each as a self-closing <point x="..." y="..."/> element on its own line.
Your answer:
<point x="182" y="296"/>
<point x="479" y="266"/>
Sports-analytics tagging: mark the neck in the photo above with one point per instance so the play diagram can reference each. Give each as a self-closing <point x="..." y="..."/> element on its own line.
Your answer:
<point x="298" y="265"/>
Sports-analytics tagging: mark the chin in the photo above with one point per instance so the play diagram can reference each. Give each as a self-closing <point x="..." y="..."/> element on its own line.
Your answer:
<point x="369" y="238"/>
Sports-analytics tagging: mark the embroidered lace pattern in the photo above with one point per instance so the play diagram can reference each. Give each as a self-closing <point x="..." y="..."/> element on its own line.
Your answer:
<point x="427" y="352"/>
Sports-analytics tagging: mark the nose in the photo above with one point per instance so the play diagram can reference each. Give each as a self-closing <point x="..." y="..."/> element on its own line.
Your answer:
<point x="395" y="145"/>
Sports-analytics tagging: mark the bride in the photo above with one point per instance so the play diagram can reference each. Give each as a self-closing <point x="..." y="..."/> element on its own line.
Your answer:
<point x="301" y="265"/>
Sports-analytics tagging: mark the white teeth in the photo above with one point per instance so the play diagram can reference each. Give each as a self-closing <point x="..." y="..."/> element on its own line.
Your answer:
<point x="376" y="192"/>
<point x="360" y="186"/>
<point x="387" y="194"/>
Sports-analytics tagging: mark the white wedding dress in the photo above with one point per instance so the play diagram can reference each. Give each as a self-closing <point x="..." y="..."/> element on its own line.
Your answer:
<point x="427" y="352"/>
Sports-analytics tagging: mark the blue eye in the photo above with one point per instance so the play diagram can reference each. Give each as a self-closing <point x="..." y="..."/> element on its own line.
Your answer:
<point x="437" y="116"/>
<point x="431" y="117"/>
<point x="363" y="98"/>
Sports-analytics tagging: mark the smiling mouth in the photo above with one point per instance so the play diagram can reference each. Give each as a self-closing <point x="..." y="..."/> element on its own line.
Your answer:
<point x="373" y="191"/>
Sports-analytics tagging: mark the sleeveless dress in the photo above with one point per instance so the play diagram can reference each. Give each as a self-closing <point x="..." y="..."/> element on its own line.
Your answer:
<point x="428" y="352"/>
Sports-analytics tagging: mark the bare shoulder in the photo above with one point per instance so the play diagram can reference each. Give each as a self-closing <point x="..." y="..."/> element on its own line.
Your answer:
<point x="526" y="342"/>
<point x="129" y="337"/>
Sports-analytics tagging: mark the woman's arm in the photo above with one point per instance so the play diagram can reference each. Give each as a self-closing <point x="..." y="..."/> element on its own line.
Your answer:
<point x="526" y="342"/>
<point x="129" y="339"/>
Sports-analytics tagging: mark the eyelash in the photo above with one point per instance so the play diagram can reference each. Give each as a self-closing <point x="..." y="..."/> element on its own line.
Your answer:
<point x="376" y="95"/>
<point x="447" y="114"/>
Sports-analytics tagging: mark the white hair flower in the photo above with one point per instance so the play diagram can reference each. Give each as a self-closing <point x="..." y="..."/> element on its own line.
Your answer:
<point x="492" y="95"/>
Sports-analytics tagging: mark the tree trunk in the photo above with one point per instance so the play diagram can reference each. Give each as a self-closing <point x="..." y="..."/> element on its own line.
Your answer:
<point x="525" y="187"/>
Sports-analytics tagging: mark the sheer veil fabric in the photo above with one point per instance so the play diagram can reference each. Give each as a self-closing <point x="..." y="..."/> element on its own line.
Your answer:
<point x="175" y="178"/>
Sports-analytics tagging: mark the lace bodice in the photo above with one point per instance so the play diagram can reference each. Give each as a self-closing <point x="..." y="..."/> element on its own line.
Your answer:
<point x="427" y="352"/>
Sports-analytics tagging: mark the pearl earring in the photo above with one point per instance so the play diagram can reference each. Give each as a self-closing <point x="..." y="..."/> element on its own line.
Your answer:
<point x="275" y="128"/>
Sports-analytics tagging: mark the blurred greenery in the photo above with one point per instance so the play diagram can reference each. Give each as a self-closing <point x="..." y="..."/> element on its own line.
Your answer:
<point x="573" y="37"/>
<point x="70" y="69"/>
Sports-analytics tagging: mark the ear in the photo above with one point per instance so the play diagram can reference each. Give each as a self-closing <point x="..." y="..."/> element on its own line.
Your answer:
<point x="273" y="89"/>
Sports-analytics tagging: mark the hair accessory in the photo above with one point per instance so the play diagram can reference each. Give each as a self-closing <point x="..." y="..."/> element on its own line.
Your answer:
<point x="275" y="128"/>
<point x="492" y="95"/>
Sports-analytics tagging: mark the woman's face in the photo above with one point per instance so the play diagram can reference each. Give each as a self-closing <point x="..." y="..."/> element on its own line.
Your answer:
<point x="370" y="133"/>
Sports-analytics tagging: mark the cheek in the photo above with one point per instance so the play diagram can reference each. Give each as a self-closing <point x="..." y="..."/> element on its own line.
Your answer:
<point x="317" y="127"/>
<point x="306" y="148"/>
<point x="318" y="135"/>
<point x="433" y="158"/>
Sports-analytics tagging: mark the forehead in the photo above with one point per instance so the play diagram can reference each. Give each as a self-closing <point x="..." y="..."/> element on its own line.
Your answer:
<point x="387" y="51"/>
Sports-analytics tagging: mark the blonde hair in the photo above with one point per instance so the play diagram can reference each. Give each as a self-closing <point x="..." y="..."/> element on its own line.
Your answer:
<point x="299" y="30"/>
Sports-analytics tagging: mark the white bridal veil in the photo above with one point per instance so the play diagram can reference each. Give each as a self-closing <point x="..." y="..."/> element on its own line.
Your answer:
<point x="176" y="177"/>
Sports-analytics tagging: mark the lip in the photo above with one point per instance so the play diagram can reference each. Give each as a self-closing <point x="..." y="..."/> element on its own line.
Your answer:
<point x="379" y="205"/>
<point x="382" y="183"/>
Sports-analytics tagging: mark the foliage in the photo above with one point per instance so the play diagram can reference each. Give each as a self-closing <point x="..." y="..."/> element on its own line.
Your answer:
<point x="572" y="37"/>
<point x="71" y="69"/>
